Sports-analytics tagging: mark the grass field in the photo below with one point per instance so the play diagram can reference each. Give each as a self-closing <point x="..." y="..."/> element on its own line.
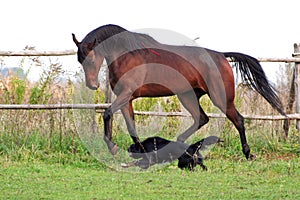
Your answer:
<point x="39" y="166"/>
<point x="270" y="176"/>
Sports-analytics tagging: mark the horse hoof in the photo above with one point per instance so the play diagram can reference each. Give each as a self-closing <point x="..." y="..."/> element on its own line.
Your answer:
<point x="114" y="150"/>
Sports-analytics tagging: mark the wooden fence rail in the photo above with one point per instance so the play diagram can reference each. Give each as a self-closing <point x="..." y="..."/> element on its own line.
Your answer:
<point x="52" y="106"/>
<point x="73" y="52"/>
<point x="100" y="109"/>
<point x="38" y="53"/>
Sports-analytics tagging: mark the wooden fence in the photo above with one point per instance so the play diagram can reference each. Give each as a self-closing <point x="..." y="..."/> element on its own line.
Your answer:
<point x="38" y="53"/>
<point x="294" y="90"/>
<point x="101" y="107"/>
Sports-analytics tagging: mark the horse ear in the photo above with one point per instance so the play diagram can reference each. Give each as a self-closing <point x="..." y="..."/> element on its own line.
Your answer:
<point x="92" y="45"/>
<point x="75" y="40"/>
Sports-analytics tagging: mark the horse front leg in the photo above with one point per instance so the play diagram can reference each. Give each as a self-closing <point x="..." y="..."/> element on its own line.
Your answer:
<point x="120" y="101"/>
<point x="190" y="100"/>
<point x="128" y="115"/>
<point x="107" y="118"/>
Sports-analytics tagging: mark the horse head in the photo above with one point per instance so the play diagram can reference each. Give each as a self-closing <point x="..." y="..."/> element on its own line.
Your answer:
<point x="91" y="61"/>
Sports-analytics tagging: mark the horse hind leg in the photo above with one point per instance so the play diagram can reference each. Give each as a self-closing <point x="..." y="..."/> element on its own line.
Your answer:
<point x="238" y="120"/>
<point x="222" y="95"/>
<point x="190" y="101"/>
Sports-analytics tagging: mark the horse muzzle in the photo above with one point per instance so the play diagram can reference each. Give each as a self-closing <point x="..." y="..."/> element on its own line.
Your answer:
<point x="94" y="86"/>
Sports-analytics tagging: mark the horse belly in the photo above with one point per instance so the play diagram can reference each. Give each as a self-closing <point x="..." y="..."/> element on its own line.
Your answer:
<point x="153" y="90"/>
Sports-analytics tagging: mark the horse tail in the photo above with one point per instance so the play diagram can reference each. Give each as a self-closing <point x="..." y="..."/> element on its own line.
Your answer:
<point x="253" y="74"/>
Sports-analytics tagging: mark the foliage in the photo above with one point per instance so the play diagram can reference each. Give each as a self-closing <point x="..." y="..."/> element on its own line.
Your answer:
<point x="16" y="92"/>
<point x="39" y="93"/>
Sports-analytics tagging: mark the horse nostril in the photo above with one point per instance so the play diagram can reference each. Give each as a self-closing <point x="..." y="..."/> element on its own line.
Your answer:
<point x="93" y="87"/>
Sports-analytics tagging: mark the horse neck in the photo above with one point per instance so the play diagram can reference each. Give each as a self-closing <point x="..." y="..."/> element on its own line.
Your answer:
<point x="111" y="51"/>
<point x="112" y="57"/>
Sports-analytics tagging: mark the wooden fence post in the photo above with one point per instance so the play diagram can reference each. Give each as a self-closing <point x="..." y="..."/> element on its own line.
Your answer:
<point x="297" y="82"/>
<point x="108" y="92"/>
<point x="289" y="107"/>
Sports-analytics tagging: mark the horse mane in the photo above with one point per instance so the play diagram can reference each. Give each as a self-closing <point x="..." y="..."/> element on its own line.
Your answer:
<point x="102" y="33"/>
<point x="114" y="35"/>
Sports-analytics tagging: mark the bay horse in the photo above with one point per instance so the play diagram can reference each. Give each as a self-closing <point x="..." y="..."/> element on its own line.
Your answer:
<point x="140" y="66"/>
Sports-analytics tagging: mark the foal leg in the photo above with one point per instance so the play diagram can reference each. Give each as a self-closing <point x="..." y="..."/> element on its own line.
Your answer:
<point x="190" y="101"/>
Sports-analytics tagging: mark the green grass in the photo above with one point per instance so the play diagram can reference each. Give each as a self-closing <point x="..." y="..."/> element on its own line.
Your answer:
<point x="43" y="166"/>
<point x="226" y="179"/>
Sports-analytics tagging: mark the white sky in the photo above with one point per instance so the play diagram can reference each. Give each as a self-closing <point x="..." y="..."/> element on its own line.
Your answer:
<point x="259" y="28"/>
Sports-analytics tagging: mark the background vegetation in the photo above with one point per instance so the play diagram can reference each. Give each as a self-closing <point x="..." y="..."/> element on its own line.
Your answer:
<point x="43" y="147"/>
